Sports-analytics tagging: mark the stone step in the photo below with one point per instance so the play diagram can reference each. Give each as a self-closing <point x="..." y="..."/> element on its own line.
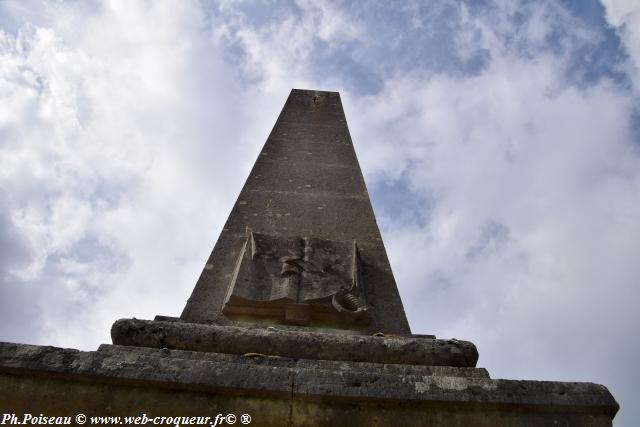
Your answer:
<point x="294" y="344"/>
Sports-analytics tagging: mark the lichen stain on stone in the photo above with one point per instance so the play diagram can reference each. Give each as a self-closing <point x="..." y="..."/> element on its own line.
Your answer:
<point x="451" y="383"/>
<point x="26" y="351"/>
<point x="85" y="360"/>
<point x="422" y="387"/>
<point x="489" y="385"/>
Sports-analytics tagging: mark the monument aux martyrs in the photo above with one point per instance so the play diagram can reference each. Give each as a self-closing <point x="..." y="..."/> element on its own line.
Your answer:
<point x="296" y="320"/>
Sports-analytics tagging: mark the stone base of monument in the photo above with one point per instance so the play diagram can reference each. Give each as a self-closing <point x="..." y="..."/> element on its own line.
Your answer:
<point x="285" y="377"/>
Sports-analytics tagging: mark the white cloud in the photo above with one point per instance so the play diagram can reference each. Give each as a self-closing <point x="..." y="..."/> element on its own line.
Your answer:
<point x="531" y="190"/>
<point x="624" y="15"/>
<point x="328" y="22"/>
<point x="278" y="54"/>
<point x="117" y="124"/>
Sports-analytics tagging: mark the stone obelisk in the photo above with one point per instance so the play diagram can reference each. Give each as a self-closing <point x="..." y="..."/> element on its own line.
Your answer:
<point x="305" y="184"/>
<point x="295" y="320"/>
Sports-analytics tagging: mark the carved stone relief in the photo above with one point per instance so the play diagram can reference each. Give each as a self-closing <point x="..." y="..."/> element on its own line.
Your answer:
<point x="299" y="280"/>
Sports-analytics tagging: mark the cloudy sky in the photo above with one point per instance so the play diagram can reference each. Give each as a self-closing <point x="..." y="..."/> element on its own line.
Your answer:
<point x="500" y="141"/>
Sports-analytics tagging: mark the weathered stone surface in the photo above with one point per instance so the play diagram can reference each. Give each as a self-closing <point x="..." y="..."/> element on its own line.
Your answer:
<point x="295" y="344"/>
<point x="306" y="183"/>
<point x="279" y="391"/>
